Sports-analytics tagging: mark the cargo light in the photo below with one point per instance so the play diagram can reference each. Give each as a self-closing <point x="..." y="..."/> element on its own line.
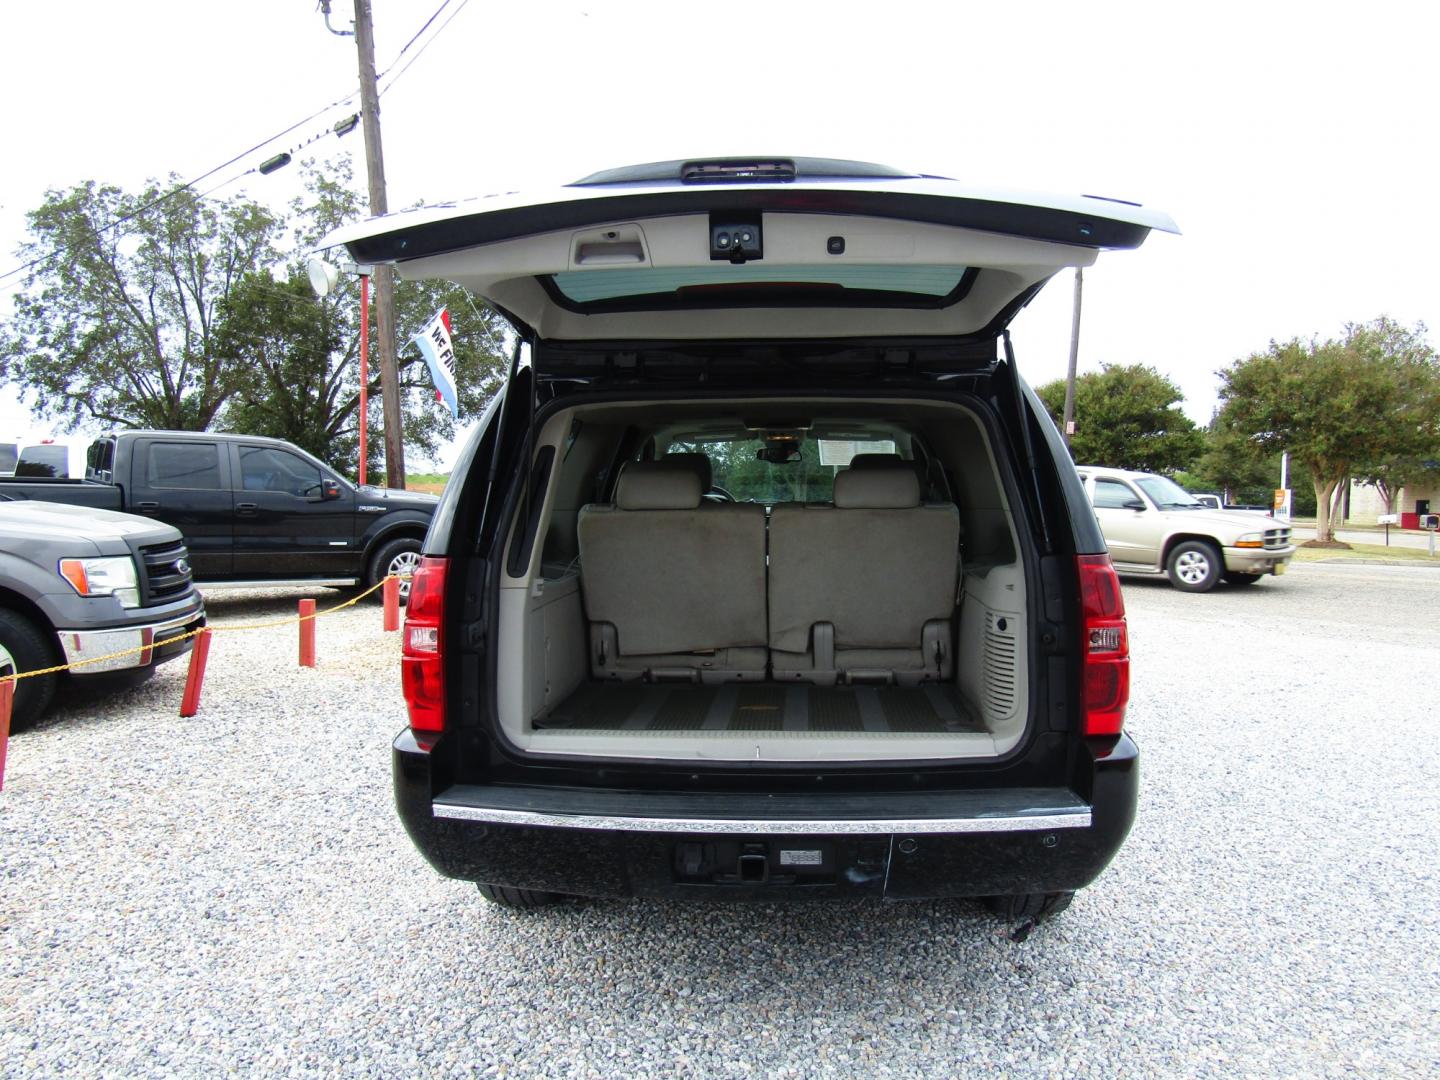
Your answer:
<point x="422" y="652"/>
<point x="1106" y="673"/>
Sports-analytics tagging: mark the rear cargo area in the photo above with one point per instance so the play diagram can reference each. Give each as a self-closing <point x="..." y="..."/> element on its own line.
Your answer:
<point x="864" y="608"/>
<point x="738" y="708"/>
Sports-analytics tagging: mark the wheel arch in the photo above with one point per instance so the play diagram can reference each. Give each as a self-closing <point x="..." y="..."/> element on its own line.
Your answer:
<point x="408" y="528"/>
<point x="1171" y="542"/>
<point x="10" y="600"/>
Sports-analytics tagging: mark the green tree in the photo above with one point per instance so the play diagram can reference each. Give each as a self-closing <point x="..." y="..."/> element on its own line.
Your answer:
<point x="302" y="351"/>
<point x="1389" y="475"/>
<point x="292" y="347"/>
<point x="1127" y="417"/>
<point x="117" y="317"/>
<point x="1232" y="464"/>
<point x="1339" y="405"/>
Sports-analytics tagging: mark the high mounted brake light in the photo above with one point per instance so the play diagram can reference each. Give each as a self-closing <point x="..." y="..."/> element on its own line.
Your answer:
<point x="422" y="653"/>
<point x="1106" y="642"/>
<point x="719" y="172"/>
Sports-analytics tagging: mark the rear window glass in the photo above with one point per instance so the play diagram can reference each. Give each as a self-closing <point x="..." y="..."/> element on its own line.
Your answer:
<point x="184" y="465"/>
<point x="99" y="457"/>
<point x="717" y="281"/>
<point x="50" y="461"/>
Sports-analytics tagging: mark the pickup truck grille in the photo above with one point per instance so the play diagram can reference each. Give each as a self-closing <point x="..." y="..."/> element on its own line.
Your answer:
<point x="166" y="570"/>
<point x="1275" y="539"/>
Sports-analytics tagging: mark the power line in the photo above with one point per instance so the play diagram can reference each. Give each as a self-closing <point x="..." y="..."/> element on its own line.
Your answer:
<point x="434" y="15"/>
<point x="427" y="44"/>
<point x="189" y="184"/>
<point x="132" y="215"/>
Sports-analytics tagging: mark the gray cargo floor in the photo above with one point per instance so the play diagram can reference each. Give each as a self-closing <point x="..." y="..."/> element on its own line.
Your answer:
<point x="931" y="709"/>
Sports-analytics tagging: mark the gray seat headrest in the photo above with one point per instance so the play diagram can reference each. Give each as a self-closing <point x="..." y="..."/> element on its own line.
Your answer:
<point x="877" y="461"/>
<point x="696" y="461"/>
<point x="656" y="485"/>
<point x="894" y="488"/>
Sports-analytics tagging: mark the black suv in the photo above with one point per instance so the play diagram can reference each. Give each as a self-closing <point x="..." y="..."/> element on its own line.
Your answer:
<point x="767" y="575"/>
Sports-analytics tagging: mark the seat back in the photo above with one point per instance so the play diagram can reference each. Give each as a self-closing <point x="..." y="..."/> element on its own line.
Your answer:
<point x="664" y="578"/>
<point x="875" y="573"/>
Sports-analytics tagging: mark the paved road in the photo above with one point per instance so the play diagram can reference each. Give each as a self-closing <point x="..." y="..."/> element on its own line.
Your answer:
<point x="232" y="894"/>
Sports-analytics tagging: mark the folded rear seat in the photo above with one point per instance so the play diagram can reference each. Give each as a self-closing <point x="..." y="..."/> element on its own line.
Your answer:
<point x="864" y="590"/>
<point x="673" y="589"/>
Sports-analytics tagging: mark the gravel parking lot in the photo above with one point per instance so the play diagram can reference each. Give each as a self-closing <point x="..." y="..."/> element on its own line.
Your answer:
<point x="233" y="894"/>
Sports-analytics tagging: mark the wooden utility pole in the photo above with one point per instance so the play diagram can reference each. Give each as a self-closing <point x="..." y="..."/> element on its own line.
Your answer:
<point x="1069" y="419"/>
<point x="383" y="277"/>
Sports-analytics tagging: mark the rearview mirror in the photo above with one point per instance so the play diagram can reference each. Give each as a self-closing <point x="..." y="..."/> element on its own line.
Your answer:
<point x="1134" y="504"/>
<point x="778" y="453"/>
<point x="329" y="489"/>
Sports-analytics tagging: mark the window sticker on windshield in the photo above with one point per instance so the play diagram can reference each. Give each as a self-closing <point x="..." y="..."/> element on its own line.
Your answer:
<point x="839" y="453"/>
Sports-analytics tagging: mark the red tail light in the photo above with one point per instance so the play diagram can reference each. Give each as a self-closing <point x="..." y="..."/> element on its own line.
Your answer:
<point x="423" y="651"/>
<point x="1107" y="646"/>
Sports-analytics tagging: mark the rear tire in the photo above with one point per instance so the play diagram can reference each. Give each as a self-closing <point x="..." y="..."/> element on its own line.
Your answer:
<point x="24" y="648"/>
<point x="399" y="557"/>
<point x="1233" y="578"/>
<point x="518" y="899"/>
<point x="1035" y="906"/>
<point x="1194" y="566"/>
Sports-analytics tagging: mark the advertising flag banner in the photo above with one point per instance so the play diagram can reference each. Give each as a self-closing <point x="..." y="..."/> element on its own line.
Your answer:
<point x="434" y="345"/>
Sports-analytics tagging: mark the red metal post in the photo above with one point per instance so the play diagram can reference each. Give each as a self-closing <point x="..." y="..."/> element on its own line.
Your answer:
<point x="364" y="367"/>
<point x="195" y="678"/>
<point x="307" y="633"/>
<point x="7" y="699"/>
<point x="391" y="592"/>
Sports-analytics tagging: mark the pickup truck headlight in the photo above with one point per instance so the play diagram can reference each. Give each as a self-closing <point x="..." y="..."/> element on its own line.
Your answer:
<point x="113" y="576"/>
<point x="1251" y="540"/>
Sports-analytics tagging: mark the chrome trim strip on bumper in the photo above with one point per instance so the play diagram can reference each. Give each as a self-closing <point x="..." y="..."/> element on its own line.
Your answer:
<point x="278" y="583"/>
<point x="80" y="645"/>
<point x="1073" y="819"/>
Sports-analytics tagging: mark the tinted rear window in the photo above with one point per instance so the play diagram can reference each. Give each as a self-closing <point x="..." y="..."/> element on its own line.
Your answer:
<point x="758" y="281"/>
<point x="184" y="465"/>
<point x="51" y="461"/>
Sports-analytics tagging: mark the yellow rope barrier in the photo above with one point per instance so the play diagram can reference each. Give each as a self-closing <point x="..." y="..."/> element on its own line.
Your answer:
<point x="17" y="676"/>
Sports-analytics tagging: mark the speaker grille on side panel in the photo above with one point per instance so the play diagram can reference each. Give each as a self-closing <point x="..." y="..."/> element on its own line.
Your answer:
<point x="999" y="665"/>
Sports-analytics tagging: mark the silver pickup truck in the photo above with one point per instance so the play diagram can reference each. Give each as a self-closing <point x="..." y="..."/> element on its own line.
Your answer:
<point x="1154" y="526"/>
<point x="78" y="583"/>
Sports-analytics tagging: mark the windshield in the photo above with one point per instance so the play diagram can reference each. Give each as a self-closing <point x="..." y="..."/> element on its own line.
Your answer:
<point x="1168" y="495"/>
<point x="738" y="471"/>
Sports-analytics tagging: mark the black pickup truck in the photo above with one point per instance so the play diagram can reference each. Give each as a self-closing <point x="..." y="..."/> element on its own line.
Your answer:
<point x="254" y="511"/>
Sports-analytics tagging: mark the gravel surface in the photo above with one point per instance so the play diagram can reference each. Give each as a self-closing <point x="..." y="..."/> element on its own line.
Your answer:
<point x="233" y="894"/>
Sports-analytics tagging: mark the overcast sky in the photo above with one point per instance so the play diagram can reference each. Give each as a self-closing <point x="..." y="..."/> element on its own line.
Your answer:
<point x="1293" y="143"/>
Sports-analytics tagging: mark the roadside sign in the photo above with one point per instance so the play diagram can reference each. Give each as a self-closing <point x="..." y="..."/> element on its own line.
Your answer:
<point x="1281" y="505"/>
<point x="1388" y="519"/>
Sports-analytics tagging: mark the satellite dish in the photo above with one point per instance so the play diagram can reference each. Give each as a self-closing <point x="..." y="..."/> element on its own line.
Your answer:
<point x="324" y="276"/>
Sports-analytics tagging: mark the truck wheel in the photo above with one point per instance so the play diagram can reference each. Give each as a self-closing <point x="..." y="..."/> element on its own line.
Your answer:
<point x="519" y="899"/>
<point x="399" y="557"/>
<point x="1233" y="578"/>
<point x="24" y="648"/>
<point x="1194" y="566"/>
